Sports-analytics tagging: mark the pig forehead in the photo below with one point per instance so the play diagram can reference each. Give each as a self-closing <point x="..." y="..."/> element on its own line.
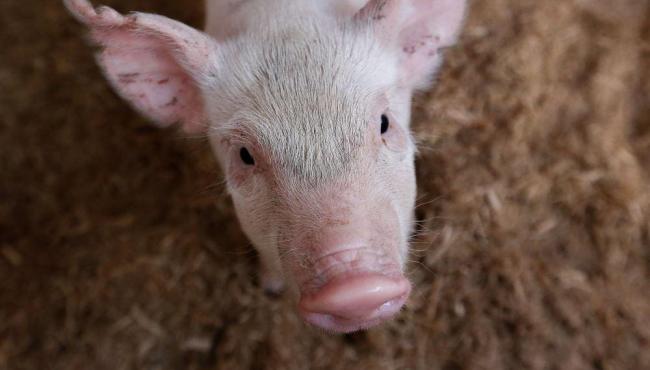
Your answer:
<point x="312" y="98"/>
<point x="315" y="138"/>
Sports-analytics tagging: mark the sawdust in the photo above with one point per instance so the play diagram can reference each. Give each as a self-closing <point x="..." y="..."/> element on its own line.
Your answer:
<point x="120" y="250"/>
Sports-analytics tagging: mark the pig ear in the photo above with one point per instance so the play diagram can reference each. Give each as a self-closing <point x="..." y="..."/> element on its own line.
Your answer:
<point x="151" y="61"/>
<point x="421" y="29"/>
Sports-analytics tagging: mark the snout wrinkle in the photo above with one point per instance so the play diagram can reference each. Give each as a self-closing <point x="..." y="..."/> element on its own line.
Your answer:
<point x="345" y="263"/>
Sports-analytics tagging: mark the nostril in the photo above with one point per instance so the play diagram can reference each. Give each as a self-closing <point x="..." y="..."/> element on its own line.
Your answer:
<point x="366" y="297"/>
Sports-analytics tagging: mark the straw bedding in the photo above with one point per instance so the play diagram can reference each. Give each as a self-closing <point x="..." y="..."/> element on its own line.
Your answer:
<point x="119" y="248"/>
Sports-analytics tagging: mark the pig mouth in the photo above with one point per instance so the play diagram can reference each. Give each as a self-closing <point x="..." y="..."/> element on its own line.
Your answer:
<point x="343" y="325"/>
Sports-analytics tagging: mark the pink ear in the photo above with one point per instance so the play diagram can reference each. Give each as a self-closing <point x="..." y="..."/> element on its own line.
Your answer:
<point x="421" y="28"/>
<point x="151" y="61"/>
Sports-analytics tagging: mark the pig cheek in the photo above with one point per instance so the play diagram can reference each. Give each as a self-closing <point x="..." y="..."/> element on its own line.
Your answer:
<point x="396" y="140"/>
<point x="408" y="206"/>
<point x="405" y="185"/>
<point x="237" y="180"/>
<point x="240" y="177"/>
<point x="245" y="210"/>
<point x="254" y="217"/>
<point x="400" y="185"/>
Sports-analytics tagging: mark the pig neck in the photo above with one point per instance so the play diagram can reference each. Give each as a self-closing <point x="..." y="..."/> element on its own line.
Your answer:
<point x="226" y="19"/>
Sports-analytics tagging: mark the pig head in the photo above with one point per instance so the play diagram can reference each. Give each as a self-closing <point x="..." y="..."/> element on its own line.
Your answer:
<point x="307" y="107"/>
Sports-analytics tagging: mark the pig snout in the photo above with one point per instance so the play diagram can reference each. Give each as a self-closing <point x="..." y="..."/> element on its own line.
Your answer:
<point x="357" y="302"/>
<point x="350" y="286"/>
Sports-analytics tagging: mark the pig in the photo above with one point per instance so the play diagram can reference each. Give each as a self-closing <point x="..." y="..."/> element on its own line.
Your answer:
<point x="306" y="105"/>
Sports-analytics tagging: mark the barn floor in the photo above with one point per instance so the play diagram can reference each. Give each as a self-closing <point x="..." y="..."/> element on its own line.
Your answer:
<point x="119" y="248"/>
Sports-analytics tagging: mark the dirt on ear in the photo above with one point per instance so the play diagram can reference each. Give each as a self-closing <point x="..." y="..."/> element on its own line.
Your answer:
<point x="119" y="248"/>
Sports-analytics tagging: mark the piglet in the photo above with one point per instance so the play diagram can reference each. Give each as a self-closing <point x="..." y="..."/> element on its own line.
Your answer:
<point x="307" y="105"/>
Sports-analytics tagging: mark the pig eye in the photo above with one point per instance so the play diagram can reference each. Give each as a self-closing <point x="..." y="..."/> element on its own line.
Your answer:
<point x="385" y="123"/>
<point x="246" y="157"/>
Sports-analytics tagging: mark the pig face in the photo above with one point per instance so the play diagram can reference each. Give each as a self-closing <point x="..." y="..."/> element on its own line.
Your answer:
<point x="319" y="163"/>
<point x="309" y="119"/>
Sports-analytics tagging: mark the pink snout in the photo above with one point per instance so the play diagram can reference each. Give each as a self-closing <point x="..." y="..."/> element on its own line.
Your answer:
<point x="354" y="303"/>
